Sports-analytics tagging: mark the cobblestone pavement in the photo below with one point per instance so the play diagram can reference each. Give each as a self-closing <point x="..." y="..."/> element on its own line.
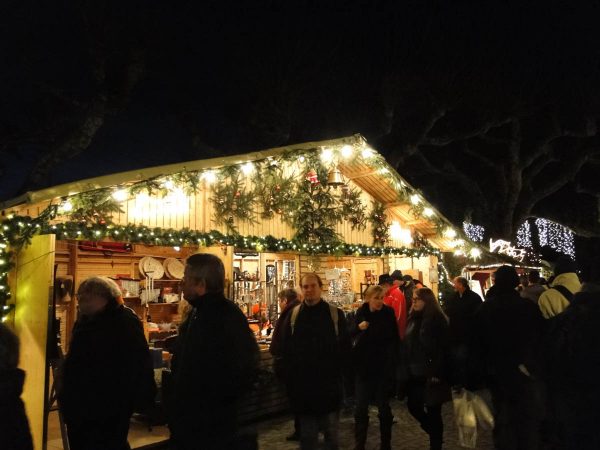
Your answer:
<point x="406" y="433"/>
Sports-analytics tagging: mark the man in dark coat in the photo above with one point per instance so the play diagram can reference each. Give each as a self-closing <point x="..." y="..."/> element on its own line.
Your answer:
<point x="216" y="362"/>
<point x="576" y="368"/>
<point x="509" y="328"/>
<point x="288" y="300"/>
<point x="316" y="356"/>
<point x="14" y="427"/>
<point x="108" y="371"/>
<point x="461" y="309"/>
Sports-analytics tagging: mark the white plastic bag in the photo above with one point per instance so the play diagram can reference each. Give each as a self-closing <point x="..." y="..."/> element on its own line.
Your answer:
<point x="464" y="414"/>
<point x="485" y="418"/>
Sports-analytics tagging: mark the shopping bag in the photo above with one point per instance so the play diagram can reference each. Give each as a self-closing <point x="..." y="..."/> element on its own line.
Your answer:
<point x="465" y="418"/>
<point x="485" y="418"/>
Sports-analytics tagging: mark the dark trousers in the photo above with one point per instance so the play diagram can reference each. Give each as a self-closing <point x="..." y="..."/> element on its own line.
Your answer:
<point x="101" y="434"/>
<point x="310" y="424"/>
<point x="429" y="417"/>
<point x="368" y="392"/>
<point x="518" y="411"/>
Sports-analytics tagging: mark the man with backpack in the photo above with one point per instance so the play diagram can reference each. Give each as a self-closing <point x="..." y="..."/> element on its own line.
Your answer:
<point x="316" y="349"/>
<point x="566" y="284"/>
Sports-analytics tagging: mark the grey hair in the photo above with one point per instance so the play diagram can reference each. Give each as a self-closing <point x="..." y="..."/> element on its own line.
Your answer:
<point x="101" y="286"/>
<point x="208" y="269"/>
<point x="9" y="348"/>
<point x="463" y="281"/>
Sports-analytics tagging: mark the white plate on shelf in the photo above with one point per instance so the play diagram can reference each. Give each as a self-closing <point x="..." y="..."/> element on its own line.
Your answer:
<point x="151" y="268"/>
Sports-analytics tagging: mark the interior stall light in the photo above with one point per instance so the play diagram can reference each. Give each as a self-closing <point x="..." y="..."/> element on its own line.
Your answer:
<point x="169" y="184"/>
<point x="395" y="230"/>
<point x="176" y="248"/>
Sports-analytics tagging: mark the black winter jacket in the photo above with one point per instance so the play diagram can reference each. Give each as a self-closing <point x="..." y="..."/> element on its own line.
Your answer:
<point x="14" y="427"/>
<point x="215" y="365"/>
<point x="315" y="360"/>
<point x="509" y="328"/>
<point x="108" y="371"/>
<point x="461" y="315"/>
<point x="375" y="349"/>
<point x="426" y="345"/>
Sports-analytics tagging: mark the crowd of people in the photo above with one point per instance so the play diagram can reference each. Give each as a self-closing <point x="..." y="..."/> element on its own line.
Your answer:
<point x="533" y="345"/>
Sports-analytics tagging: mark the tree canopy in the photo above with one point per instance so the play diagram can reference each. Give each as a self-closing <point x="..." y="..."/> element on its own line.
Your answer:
<point x="492" y="114"/>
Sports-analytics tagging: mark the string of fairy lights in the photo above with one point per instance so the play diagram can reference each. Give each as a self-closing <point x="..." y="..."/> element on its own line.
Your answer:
<point x="17" y="231"/>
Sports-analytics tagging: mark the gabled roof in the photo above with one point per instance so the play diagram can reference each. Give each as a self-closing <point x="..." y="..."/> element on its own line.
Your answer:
<point x="385" y="189"/>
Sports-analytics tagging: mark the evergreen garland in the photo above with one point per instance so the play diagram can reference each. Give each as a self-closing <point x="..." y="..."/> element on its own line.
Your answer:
<point x="231" y="201"/>
<point x="277" y="194"/>
<point x="380" y="232"/>
<point x="317" y="215"/>
<point x="353" y="209"/>
<point x="97" y="206"/>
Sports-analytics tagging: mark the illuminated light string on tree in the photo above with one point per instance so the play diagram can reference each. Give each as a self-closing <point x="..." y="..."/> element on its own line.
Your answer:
<point x="524" y="235"/>
<point x="556" y="236"/>
<point x="474" y="232"/>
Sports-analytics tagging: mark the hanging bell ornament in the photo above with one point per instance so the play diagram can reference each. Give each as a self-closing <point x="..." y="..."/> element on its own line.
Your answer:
<point x="334" y="178"/>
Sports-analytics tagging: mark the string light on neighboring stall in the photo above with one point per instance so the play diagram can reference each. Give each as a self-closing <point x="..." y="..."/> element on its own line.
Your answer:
<point x="474" y="232"/>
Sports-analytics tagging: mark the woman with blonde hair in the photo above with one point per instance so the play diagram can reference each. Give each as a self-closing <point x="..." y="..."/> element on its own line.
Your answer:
<point x="376" y="339"/>
<point x="426" y="351"/>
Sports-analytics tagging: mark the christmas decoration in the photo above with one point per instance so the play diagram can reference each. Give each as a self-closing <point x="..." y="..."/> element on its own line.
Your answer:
<point x="380" y="232"/>
<point x="474" y="232"/>
<point x="556" y="236"/>
<point x="353" y="209"/>
<point x="231" y="202"/>
<point x="317" y="215"/>
<point x="277" y="194"/>
<point x="97" y="206"/>
<point x="312" y="177"/>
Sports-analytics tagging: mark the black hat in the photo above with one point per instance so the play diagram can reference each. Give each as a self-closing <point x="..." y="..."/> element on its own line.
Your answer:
<point x="407" y="278"/>
<point x="396" y="275"/>
<point x="385" y="279"/>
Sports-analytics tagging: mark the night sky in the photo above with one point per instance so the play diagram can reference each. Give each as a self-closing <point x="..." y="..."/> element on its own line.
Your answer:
<point x="174" y="82"/>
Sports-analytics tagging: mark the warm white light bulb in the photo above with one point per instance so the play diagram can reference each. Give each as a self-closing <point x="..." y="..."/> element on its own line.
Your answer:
<point x="209" y="176"/>
<point x="347" y="151"/>
<point x="367" y="153"/>
<point x="169" y="184"/>
<point x="120" y="195"/>
<point x="428" y="212"/>
<point x="67" y="206"/>
<point x="248" y="168"/>
<point x="475" y="253"/>
<point x="327" y="155"/>
<point x="450" y="233"/>
<point x="414" y="199"/>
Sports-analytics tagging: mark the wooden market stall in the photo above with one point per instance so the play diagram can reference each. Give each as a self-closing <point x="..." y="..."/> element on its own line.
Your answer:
<point x="332" y="207"/>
